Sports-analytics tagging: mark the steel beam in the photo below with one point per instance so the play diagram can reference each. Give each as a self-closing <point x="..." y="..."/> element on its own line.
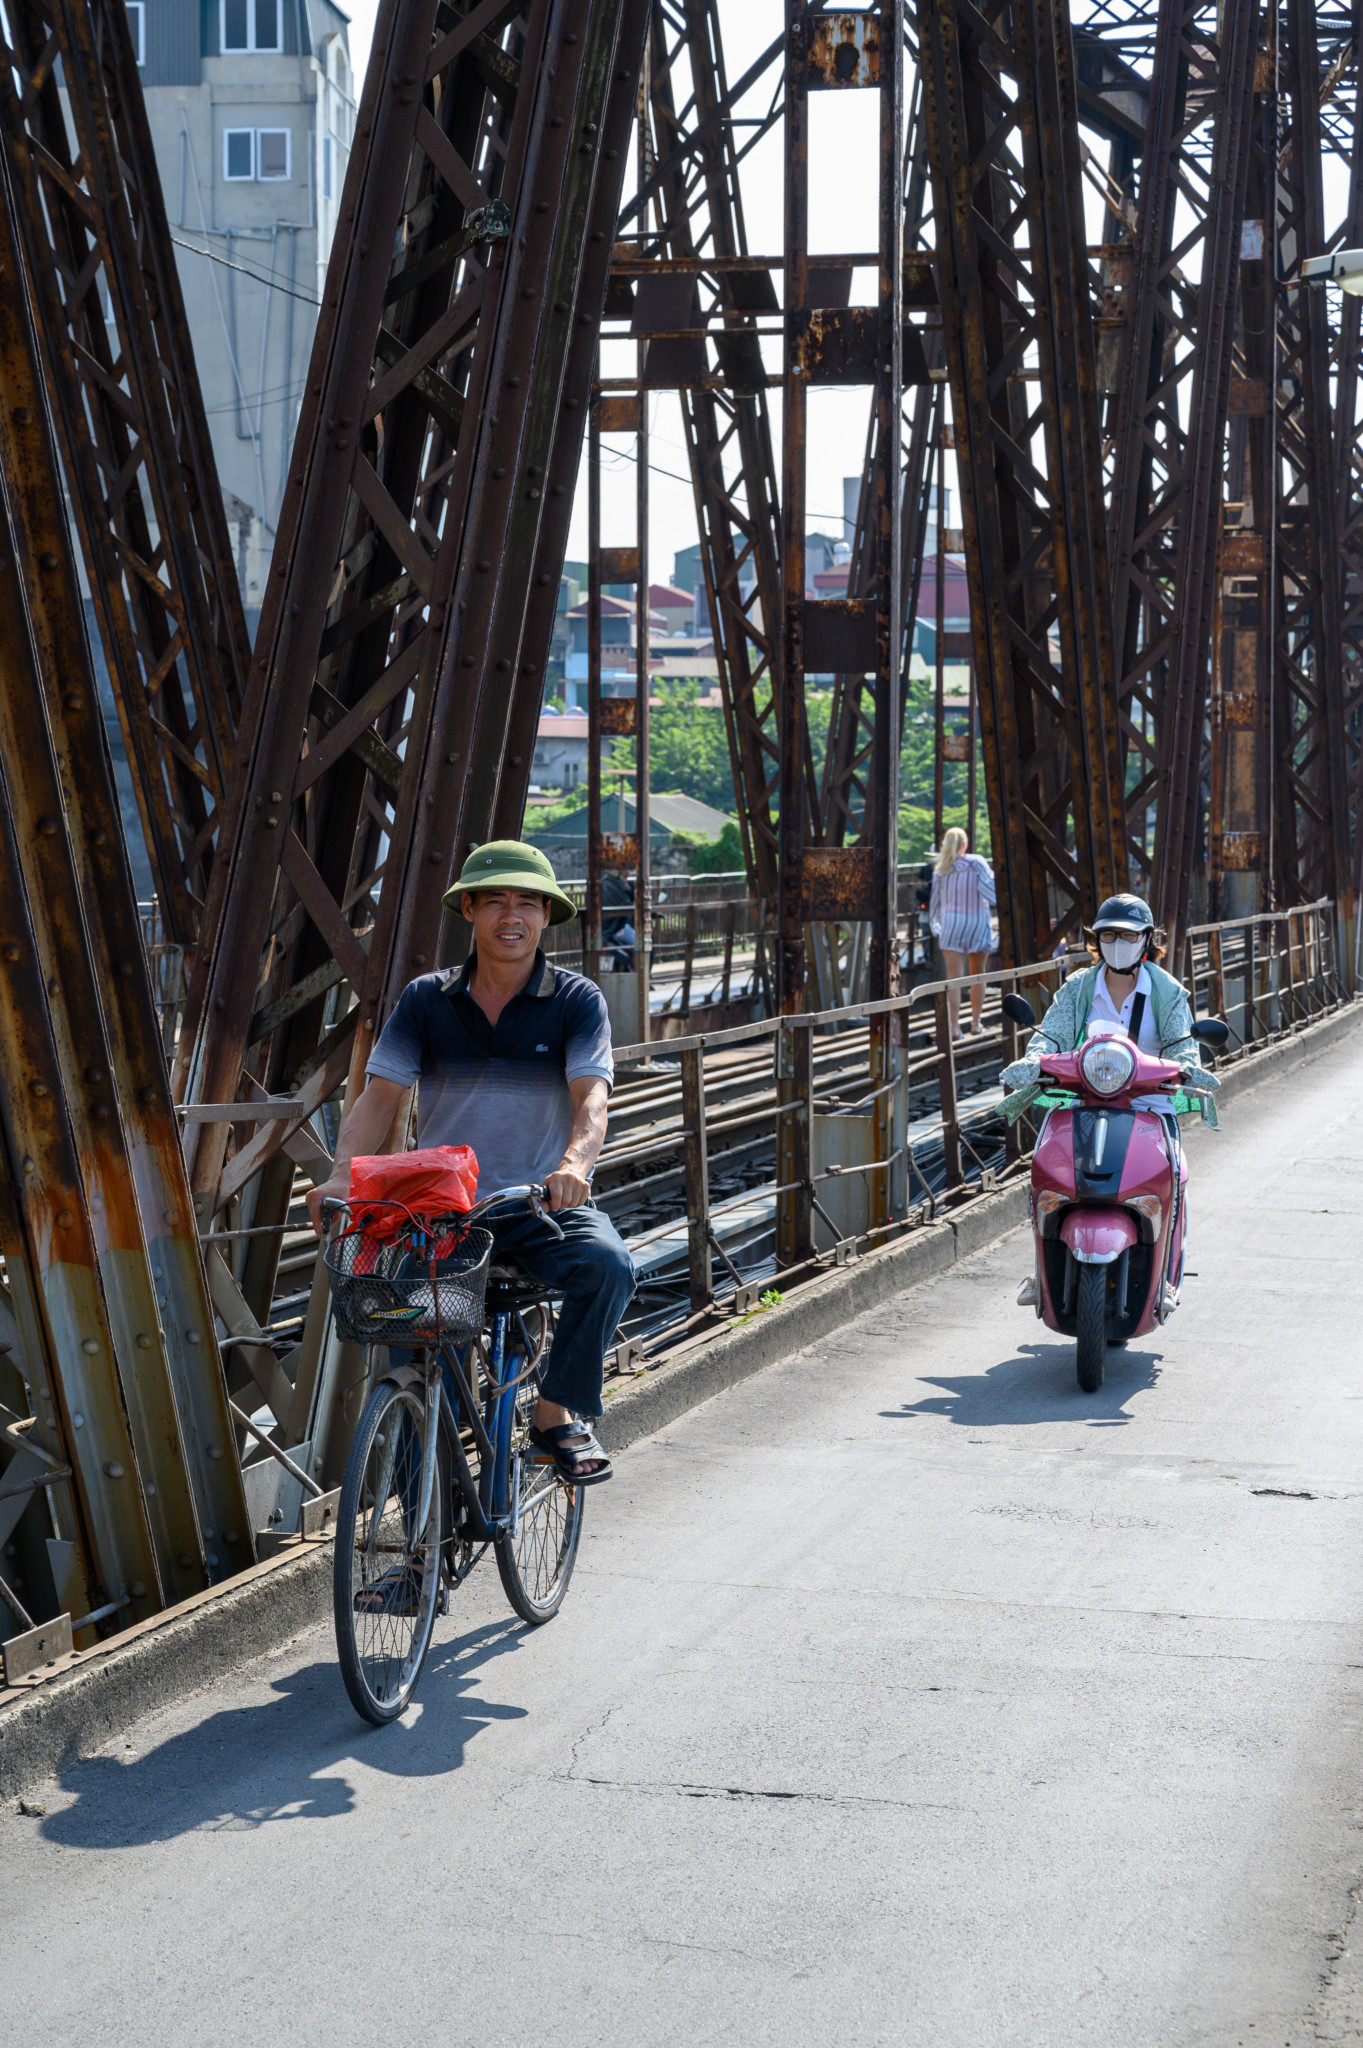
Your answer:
<point x="1015" y="284"/>
<point x="689" y="214"/>
<point x="136" y="453"/>
<point x="1312" y="854"/>
<point x="389" y="685"/>
<point x="102" y="1236"/>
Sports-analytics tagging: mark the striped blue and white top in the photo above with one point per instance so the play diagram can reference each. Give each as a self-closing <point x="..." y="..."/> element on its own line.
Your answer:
<point x="959" y="908"/>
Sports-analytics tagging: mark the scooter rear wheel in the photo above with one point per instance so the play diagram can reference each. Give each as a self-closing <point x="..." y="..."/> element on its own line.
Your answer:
<point x="1090" y="1326"/>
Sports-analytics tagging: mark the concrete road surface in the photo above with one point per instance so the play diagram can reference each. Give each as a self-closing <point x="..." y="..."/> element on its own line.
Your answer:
<point x="903" y="1695"/>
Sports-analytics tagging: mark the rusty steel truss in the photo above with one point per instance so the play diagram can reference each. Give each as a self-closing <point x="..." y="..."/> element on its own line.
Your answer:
<point x="137" y="460"/>
<point x="1088" y="308"/>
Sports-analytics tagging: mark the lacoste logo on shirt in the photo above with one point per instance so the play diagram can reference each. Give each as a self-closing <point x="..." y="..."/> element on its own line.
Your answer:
<point x="541" y="1048"/>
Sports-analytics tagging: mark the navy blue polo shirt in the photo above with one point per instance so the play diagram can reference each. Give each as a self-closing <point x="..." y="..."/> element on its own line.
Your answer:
<point x="502" y="1089"/>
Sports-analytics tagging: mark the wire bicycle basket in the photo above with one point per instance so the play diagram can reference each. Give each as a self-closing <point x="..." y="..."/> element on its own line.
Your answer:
<point x="424" y="1285"/>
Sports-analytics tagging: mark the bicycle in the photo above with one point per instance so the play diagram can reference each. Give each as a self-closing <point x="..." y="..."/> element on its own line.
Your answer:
<point x="419" y="1508"/>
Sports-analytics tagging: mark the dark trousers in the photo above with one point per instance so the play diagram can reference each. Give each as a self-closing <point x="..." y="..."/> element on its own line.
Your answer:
<point x="594" y="1272"/>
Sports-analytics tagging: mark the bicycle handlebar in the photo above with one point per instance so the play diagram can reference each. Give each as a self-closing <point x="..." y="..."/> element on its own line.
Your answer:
<point x="533" y="1193"/>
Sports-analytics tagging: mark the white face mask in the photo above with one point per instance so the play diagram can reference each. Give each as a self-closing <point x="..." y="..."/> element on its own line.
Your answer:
<point x="1121" y="953"/>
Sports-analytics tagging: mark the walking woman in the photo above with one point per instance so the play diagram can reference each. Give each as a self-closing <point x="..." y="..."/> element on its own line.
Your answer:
<point x="962" y="891"/>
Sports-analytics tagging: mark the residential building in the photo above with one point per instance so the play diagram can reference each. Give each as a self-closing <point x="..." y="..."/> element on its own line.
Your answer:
<point x="560" y="757"/>
<point x="673" y="818"/>
<point x="955" y="607"/>
<point x="252" y="109"/>
<point x="675" y="608"/>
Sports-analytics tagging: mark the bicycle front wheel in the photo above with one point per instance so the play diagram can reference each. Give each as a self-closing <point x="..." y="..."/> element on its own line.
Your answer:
<point x="387" y="1572"/>
<point x="536" y="1556"/>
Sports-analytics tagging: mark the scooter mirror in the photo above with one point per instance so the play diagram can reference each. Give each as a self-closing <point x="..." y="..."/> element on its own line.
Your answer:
<point x="1211" y="1030"/>
<point x="1017" y="1009"/>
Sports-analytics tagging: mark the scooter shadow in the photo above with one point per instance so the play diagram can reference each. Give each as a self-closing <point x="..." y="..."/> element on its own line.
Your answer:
<point x="1038" y="1385"/>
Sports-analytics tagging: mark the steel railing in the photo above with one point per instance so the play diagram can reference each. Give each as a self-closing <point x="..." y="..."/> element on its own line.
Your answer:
<point x="1268" y="974"/>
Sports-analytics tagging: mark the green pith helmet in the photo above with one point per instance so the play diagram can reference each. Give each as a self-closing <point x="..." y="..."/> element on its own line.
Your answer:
<point x="511" y="864"/>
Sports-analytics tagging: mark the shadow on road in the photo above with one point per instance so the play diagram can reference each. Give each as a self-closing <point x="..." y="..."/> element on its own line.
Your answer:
<point x="1038" y="1386"/>
<point x="277" y="1760"/>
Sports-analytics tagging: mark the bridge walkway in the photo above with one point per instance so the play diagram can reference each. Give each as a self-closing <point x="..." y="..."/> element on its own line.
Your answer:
<point x="905" y="1695"/>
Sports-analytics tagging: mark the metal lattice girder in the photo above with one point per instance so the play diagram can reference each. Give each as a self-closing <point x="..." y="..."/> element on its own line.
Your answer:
<point x="97" y="1225"/>
<point x="686" y="221"/>
<point x="1167" y="379"/>
<point x="1169" y="415"/>
<point x="136" y="453"/>
<point x="1181" y="719"/>
<point x="381" y="694"/>
<point x="842" y="345"/>
<point x="846" y="796"/>
<point x="859" y="346"/>
<point x="1312" y="824"/>
<point x="1342" y="122"/>
<point x="1016" y="289"/>
<point x="541" y="610"/>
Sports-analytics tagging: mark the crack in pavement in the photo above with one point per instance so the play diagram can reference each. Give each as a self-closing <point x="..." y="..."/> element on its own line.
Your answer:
<point x="687" y="1790"/>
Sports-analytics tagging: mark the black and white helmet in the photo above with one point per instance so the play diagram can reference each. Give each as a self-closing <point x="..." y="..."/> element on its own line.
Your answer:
<point x="1124" y="913"/>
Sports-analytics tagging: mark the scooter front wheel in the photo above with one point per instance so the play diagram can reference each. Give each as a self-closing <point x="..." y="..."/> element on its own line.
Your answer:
<point x="1090" y="1326"/>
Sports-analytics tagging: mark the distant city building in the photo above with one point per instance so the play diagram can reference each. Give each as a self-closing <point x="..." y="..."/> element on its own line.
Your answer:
<point x="560" y="757"/>
<point x="252" y="112"/>
<point x="955" y="607"/>
<point x="676" y="608"/>
<point x="851" y="498"/>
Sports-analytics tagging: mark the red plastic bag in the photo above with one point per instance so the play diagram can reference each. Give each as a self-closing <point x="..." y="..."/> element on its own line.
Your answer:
<point x="433" y="1182"/>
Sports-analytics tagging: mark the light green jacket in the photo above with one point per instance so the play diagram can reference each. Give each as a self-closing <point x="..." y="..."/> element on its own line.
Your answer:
<point x="1064" y="1024"/>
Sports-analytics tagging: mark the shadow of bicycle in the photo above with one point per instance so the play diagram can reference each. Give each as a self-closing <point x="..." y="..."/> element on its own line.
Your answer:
<point x="1038" y="1385"/>
<point x="278" y="1759"/>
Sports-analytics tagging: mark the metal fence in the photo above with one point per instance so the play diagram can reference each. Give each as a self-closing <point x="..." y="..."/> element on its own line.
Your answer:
<point x="1266" y="975"/>
<point x="758" y="1157"/>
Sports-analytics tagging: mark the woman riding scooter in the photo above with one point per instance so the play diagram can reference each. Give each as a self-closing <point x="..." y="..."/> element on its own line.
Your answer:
<point x="1124" y="991"/>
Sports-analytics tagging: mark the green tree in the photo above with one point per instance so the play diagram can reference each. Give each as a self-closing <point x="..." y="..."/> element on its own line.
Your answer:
<point x="721" y="856"/>
<point x="688" y="748"/>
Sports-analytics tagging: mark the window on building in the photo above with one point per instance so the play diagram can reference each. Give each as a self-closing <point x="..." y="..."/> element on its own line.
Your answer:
<point x="239" y="153"/>
<point x="328" y="167"/>
<point x="137" y="22"/>
<point x="255" y="153"/>
<point x="272" y="152"/>
<point x="251" y="25"/>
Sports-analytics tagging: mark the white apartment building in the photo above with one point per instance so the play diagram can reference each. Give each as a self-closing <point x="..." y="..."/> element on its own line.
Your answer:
<point x="252" y="111"/>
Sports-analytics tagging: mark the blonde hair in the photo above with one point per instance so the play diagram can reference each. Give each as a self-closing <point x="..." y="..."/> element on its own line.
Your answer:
<point x="954" y="843"/>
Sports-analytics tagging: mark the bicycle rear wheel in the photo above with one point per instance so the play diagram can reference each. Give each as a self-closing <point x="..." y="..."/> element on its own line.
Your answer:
<point x="386" y="1573"/>
<point x="536" y="1558"/>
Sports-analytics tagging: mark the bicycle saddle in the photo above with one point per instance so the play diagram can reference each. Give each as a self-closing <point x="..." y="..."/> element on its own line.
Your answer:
<point x="510" y="1286"/>
<point x="506" y="1273"/>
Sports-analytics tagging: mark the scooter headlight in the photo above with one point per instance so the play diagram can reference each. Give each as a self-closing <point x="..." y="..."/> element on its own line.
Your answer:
<point x="1150" y="1207"/>
<point x="1107" y="1065"/>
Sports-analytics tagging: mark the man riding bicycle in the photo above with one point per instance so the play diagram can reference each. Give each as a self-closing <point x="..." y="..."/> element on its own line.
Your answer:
<point x="513" y="1057"/>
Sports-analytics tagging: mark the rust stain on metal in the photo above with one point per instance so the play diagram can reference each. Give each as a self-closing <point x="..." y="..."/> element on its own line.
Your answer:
<point x="619" y="850"/>
<point x="844" y="49"/>
<point x="841" y="344"/>
<point x="839" y="882"/>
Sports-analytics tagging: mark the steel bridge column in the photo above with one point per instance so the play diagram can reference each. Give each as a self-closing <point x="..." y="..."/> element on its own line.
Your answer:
<point x="1313" y="811"/>
<point x="136" y="452"/>
<point x="694" y="201"/>
<point x="99" y="1212"/>
<point x="384" y="686"/>
<point x="1003" y="144"/>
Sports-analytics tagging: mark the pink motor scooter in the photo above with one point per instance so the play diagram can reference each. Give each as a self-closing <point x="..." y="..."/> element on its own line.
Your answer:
<point x="1109" y="1192"/>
